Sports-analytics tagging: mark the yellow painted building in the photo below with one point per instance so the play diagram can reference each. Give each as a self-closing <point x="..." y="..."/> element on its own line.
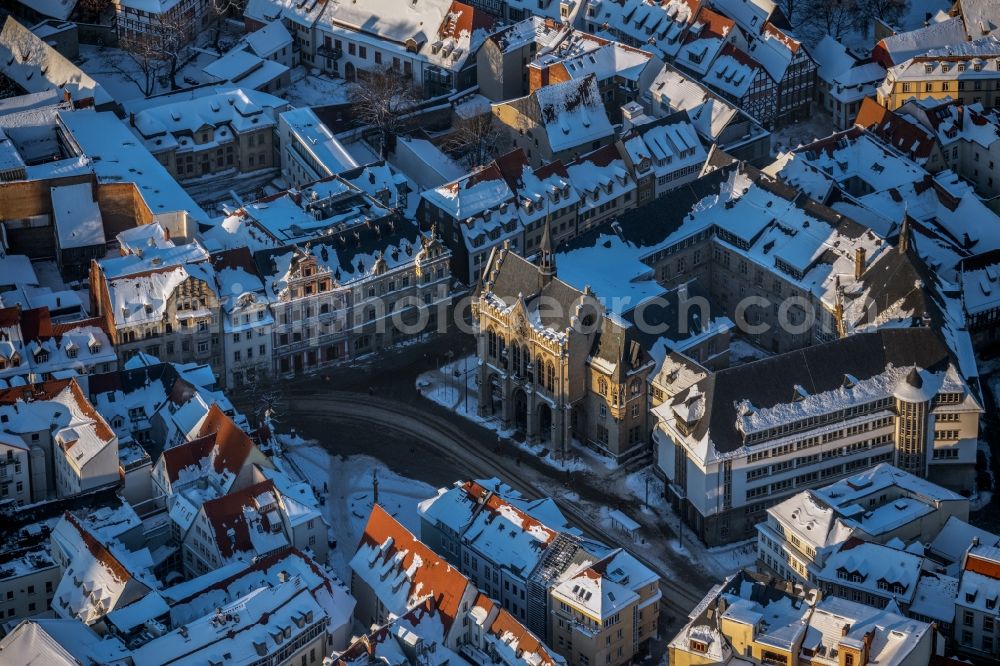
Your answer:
<point x="752" y="618"/>
<point x="971" y="74"/>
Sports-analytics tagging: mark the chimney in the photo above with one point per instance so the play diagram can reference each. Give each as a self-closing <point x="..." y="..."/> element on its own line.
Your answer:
<point x="859" y="262"/>
<point x="67" y="96"/>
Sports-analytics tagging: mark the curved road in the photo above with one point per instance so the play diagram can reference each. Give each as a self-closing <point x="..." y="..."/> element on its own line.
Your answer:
<point x="465" y="448"/>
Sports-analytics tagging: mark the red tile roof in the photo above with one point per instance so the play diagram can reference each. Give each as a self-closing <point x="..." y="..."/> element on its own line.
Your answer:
<point x="232" y="443"/>
<point x="981" y="565"/>
<point x="98" y="551"/>
<point x="463" y="18"/>
<point x="716" y="25"/>
<point x="506" y="628"/>
<point x="434" y="576"/>
<point x="188" y="454"/>
<point x="225" y="514"/>
<point x="893" y="130"/>
<point x="790" y="43"/>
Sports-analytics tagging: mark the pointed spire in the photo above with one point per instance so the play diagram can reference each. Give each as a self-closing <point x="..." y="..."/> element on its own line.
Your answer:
<point x="546" y="257"/>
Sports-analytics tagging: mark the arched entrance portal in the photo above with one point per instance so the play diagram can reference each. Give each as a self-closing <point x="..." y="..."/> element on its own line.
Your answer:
<point x="544" y="422"/>
<point x="520" y="409"/>
<point x="496" y="394"/>
<point x="349" y="73"/>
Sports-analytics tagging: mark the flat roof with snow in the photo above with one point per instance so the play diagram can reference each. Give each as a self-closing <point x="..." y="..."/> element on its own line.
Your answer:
<point x="76" y="216"/>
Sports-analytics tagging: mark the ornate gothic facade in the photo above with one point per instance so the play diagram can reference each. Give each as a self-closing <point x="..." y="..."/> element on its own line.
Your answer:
<point x="554" y="364"/>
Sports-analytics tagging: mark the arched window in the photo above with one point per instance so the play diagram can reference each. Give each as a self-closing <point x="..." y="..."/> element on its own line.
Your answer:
<point x="602" y="386"/>
<point x="551" y="376"/>
<point x="516" y="361"/>
<point x="526" y="358"/>
<point x="635" y="387"/>
<point x="501" y="346"/>
<point x="491" y="337"/>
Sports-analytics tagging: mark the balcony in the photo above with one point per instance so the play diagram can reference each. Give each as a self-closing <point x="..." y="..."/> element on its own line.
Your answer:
<point x="332" y="52"/>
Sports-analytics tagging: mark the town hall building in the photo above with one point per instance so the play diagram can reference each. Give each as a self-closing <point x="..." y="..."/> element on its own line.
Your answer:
<point x="554" y="364"/>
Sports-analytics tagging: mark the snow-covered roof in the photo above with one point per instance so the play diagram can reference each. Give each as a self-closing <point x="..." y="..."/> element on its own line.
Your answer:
<point x="321" y="210"/>
<point x="578" y="54"/>
<point x="139" y="290"/>
<point x="659" y="26"/>
<point x="266" y="41"/>
<point x="600" y="177"/>
<point x="317" y="139"/>
<point x="955" y="538"/>
<point x="598" y="596"/>
<point x="812" y="519"/>
<point x="473" y="194"/>
<point x="880" y="478"/>
<point x="253" y="626"/>
<point x="872" y="567"/>
<point x="97" y="580"/>
<point x="61" y="642"/>
<point x="35" y="66"/>
<point x="76" y="216"/>
<point x="849" y="79"/>
<point x="170" y="125"/>
<point x="533" y="29"/>
<point x="245" y="68"/>
<point x="732" y="72"/>
<point x="403" y="572"/>
<point x="137" y="240"/>
<point x="672" y="91"/>
<point x="902" y="46"/>
<point x="199" y="597"/>
<point x="935" y="598"/>
<point x="434" y="158"/>
<point x="958" y="61"/>
<point x="669" y="146"/>
<point x="116" y="155"/>
<point x="442" y="32"/>
<point x="893" y="636"/>
<point x="573" y="113"/>
<point x="347" y="257"/>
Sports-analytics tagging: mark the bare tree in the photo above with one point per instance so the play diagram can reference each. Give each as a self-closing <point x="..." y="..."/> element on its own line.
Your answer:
<point x="831" y="17"/>
<point x="143" y="49"/>
<point x="478" y="140"/>
<point x="382" y="99"/>
<point x="174" y="32"/>
<point x="791" y="9"/>
<point x="889" y="11"/>
<point x="221" y="11"/>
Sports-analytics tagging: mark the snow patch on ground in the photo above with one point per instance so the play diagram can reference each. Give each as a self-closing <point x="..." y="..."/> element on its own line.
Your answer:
<point x="346" y="484"/>
<point x="455" y="387"/>
<point x="315" y="89"/>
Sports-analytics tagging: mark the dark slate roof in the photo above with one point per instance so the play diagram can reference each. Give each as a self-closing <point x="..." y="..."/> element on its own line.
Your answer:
<point x="649" y="225"/>
<point x="511" y="275"/>
<point x="616" y="343"/>
<point x="360" y="240"/>
<point x="820" y="368"/>
<point x="667" y="311"/>
<point x="897" y="277"/>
